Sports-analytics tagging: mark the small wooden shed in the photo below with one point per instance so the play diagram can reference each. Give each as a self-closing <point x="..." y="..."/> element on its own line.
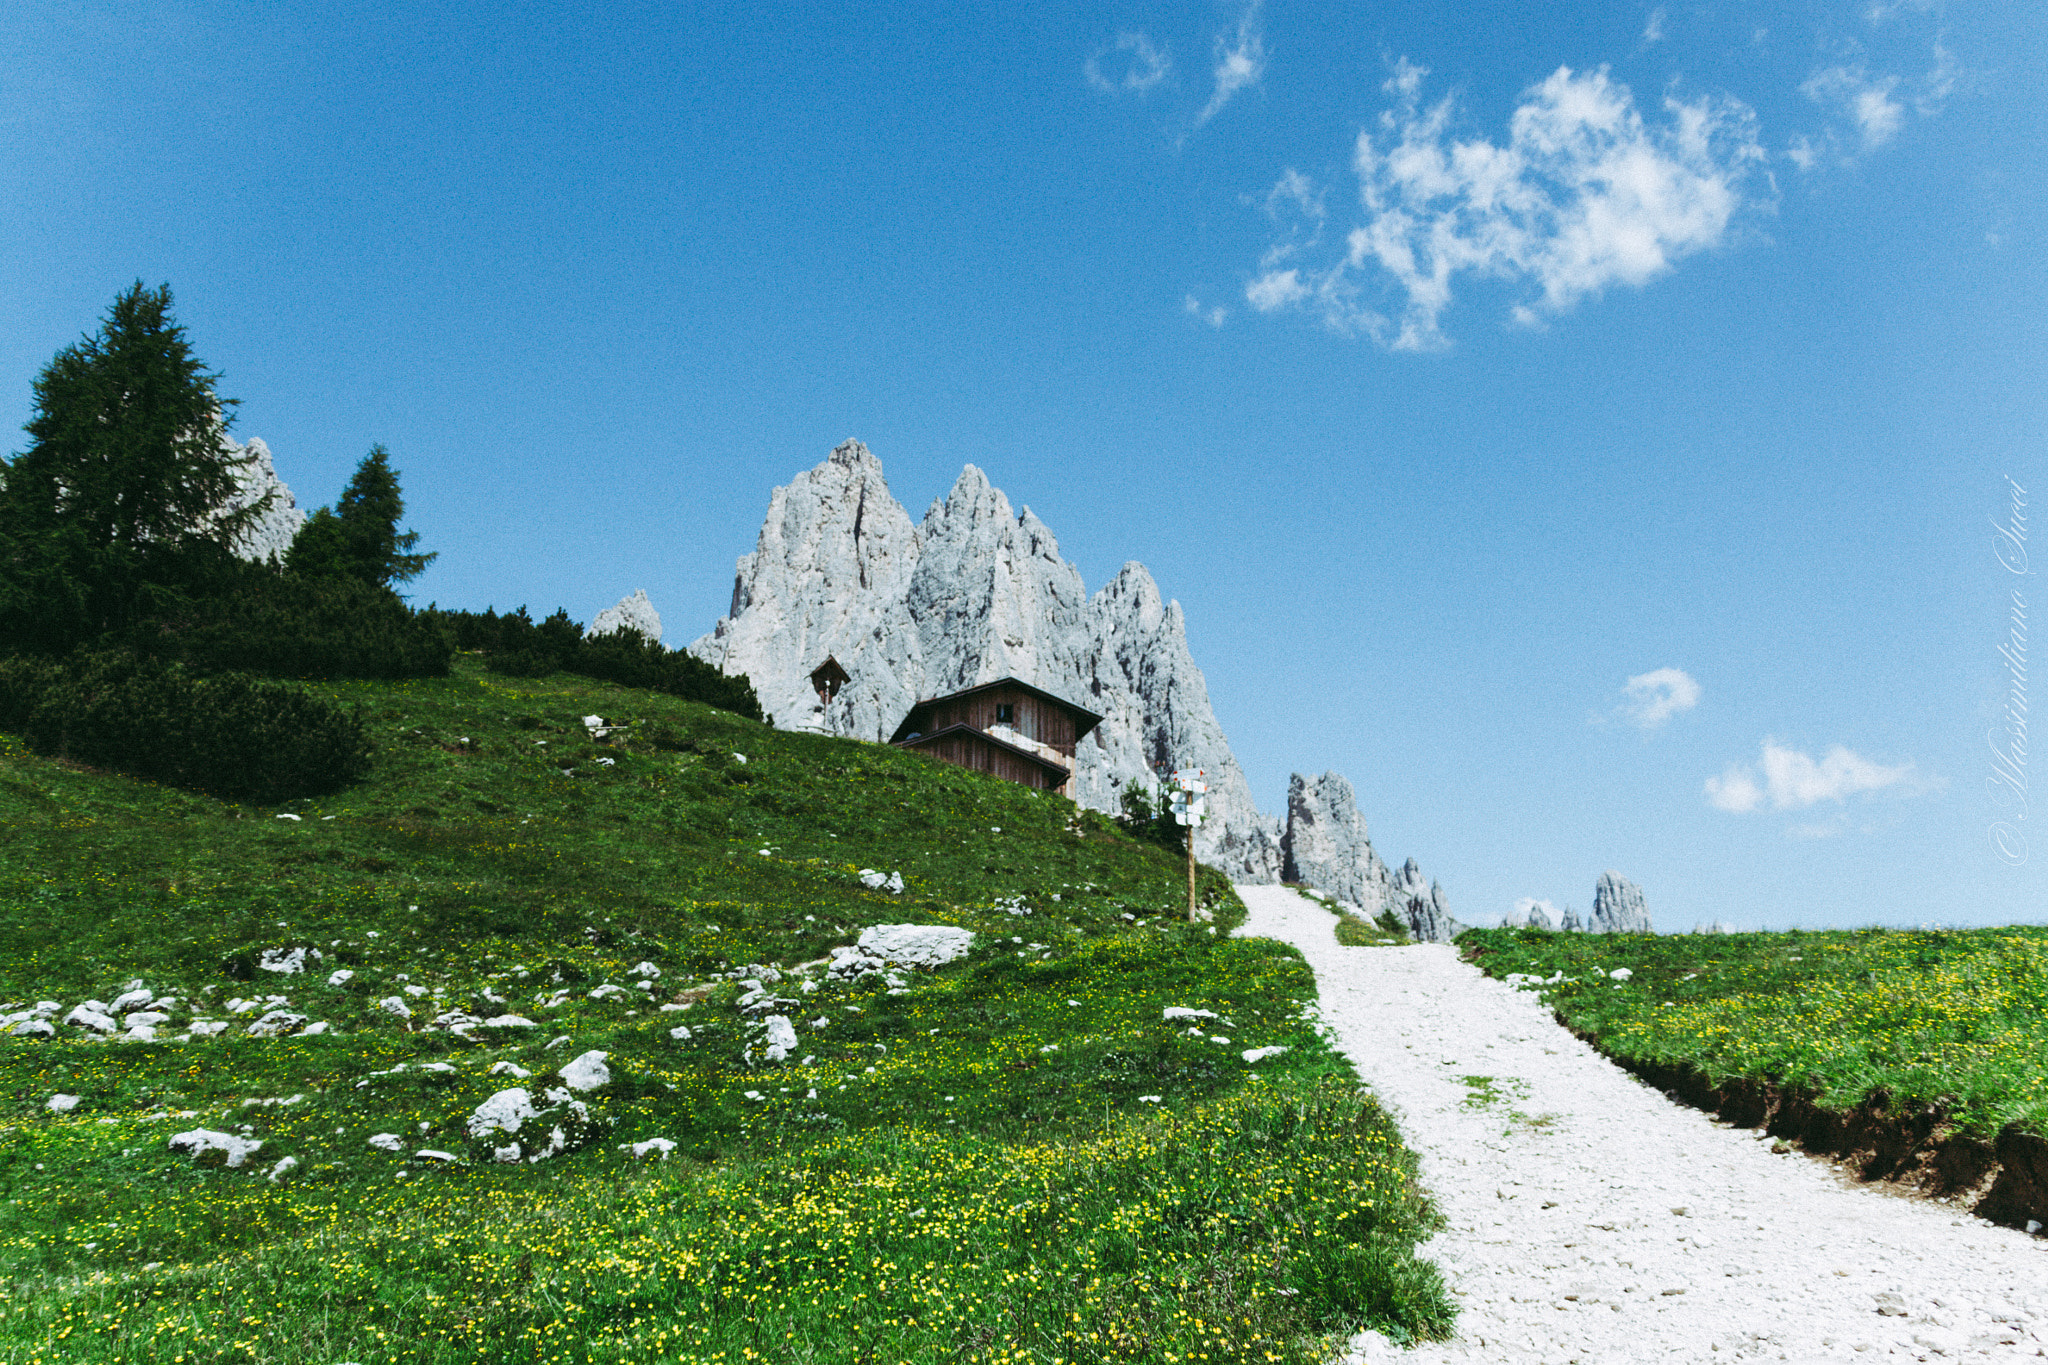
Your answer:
<point x="1009" y="728"/>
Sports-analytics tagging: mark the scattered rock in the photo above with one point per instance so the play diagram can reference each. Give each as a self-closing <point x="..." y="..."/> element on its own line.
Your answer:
<point x="91" y="1016"/>
<point x="283" y="961"/>
<point x="1259" y="1054"/>
<point x="891" y="882"/>
<point x="62" y="1104"/>
<point x="781" y="1039"/>
<point x="654" y="1147"/>
<point x="512" y="1069"/>
<point x="283" y="1168"/>
<point x="202" y="1141"/>
<point x="903" y="945"/>
<point x="588" y="1072"/>
<point x="509" y="1021"/>
<point x="277" y="1023"/>
<point x="431" y="1154"/>
<point x="388" y="1142"/>
<point x="129" y="1000"/>
<point x="503" y="1112"/>
<point x="341" y="978"/>
<point x="395" y="1006"/>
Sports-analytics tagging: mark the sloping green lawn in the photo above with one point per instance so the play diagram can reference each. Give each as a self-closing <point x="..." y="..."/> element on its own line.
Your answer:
<point x="1016" y="1156"/>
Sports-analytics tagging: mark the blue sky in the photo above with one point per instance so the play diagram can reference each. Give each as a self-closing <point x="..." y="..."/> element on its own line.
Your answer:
<point x="1452" y="364"/>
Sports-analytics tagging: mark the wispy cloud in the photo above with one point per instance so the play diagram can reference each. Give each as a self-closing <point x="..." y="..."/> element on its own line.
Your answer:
<point x="1867" y="109"/>
<point x="1653" y="29"/>
<point x="1788" y="779"/>
<point x="1865" y="99"/>
<point x="1584" y="194"/>
<point x="1192" y="306"/>
<point x="1657" y="696"/>
<point x="1130" y="65"/>
<point x="1240" y="61"/>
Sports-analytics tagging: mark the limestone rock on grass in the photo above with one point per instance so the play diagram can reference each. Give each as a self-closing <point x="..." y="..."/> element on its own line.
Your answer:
<point x="587" y="1072"/>
<point x="201" y="1142"/>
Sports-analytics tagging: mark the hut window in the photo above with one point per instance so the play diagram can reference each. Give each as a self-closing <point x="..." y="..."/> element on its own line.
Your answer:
<point x="1005" y="713"/>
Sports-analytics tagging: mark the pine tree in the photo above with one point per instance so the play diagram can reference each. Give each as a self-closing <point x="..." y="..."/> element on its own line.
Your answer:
<point x="129" y="480"/>
<point x="360" y="538"/>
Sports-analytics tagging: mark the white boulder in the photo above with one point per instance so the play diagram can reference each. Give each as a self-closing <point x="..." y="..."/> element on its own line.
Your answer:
<point x="587" y="1072"/>
<point x="200" y="1141"/>
<point x="283" y="961"/>
<point x="82" y="1016"/>
<point x="781" y="1038"/>
<point x="62" y="1104"/>
<point x="502" y="1113"/>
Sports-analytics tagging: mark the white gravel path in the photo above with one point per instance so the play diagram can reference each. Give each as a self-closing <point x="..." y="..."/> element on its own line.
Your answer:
<point x="1620" y="1226"/>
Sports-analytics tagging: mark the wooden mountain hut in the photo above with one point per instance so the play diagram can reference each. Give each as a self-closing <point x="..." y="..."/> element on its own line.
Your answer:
<point x="1009" y="728"/>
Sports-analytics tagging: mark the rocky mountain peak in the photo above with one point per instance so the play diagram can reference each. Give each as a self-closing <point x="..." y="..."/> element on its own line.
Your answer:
<point x="975" y="593"/>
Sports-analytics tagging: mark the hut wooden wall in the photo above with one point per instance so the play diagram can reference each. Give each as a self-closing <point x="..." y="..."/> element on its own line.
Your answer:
<point x="1036" y="718"/>
<point x="973" y="751"/>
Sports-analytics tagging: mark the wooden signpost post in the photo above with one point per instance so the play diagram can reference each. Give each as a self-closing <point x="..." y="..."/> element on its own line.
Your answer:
<point x="1190" y="804"/>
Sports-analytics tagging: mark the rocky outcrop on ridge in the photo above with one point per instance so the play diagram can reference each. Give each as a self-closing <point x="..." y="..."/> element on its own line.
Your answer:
<point x="634" y="613"/>
<point x="271" y="533"/>
<point x="1326" y="846"/>
<point x="976" y="592"/>
<point x="1423" y="905"/>
<point x="1618" y="907"/>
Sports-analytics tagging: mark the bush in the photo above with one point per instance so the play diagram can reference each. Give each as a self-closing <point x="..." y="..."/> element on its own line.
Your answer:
<point x="233" y="737"/>
<point x="516" y="647"/>
<point x="301" y="626"/>
<point x="627" y="658"/>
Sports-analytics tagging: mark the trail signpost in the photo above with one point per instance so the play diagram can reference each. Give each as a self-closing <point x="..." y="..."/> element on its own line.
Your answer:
<point x="1190" y="805"/>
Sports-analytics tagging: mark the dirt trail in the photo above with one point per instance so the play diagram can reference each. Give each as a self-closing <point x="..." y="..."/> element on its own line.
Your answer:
<point x="1593" y="1220"/>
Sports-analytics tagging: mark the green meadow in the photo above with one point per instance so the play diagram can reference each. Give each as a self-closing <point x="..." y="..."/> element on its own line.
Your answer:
<point x="1017" y="1156"/>
<point x="1956" y="1019"/>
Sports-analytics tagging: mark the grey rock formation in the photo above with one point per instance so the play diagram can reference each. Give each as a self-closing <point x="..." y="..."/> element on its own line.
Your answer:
<point x="1325" y="845"/>
<point x="634" y="612"/>
<point x="1618" y="907"/>
<point x="977" y="592"/>
<point x="1570" y="923"/>
<point x="1538" y="919"/>
<point x="1423" y="905"/>
<point x="270" y="535"/>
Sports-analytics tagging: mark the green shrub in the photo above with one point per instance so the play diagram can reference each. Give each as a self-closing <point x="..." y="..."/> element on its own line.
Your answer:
<point x="234" y="737"/>
<point x="626" y="658"/>
<point x="514" y="646"/>
<point x="301" y="626"/>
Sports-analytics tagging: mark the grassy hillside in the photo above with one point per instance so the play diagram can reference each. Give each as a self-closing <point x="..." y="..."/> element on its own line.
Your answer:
<point x="1016" y="1156"/>
<point x="1951" y="1018"/>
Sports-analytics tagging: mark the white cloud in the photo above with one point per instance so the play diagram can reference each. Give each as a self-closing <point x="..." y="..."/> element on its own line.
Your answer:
<point x="1131" y="63"/>
<point x="1868" y="109"/>
<point x="1866" y="100"/>
<point x="1658" y="695"/>
<point x="1791" y="780"/>
<point x="1653" y="31"/>
<point x="1584" y="194"/>
<point x="1276" y="289"/>
<point x="1213" y="316"/>
<point x="1240" y="61"/>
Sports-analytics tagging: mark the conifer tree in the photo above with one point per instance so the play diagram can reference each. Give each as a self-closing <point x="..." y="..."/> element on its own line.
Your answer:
<point x="129" y="480"/>
<point x="359" y="538"/>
